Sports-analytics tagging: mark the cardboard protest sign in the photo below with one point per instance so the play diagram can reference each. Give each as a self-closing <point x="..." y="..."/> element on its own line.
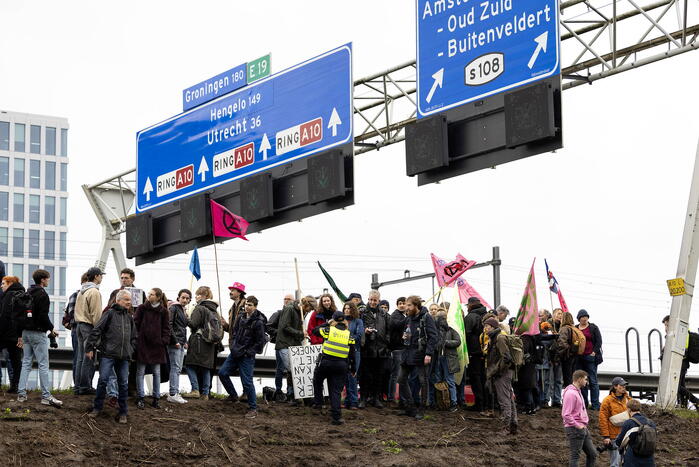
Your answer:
<point x="303" y="365"/>
<point x="136" y="296"/>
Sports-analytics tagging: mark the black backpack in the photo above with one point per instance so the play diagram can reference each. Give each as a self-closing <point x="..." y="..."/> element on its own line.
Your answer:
<point x="212" y="332"/>
<point x="692" y="353"/>
<point x="646" y="438"/>
<point x="22" y="306"/>
<point x="272" y="327"/>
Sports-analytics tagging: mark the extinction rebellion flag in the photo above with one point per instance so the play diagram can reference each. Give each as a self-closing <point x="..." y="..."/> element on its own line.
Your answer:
<point x="448" y="272"/>
<point x="226" y="224"/>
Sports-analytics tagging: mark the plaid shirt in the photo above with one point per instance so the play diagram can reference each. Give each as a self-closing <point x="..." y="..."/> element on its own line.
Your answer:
<point x="69" y="312"/>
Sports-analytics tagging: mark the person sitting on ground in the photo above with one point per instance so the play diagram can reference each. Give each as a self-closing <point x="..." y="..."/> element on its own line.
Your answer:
<point x="153" y="326"/>
<point x="335" y="362"/>
<point x="201" y="355"/>
<point x="628" y="442"/>
<point x="610" y="420"/>
<point x="115" y="335"/>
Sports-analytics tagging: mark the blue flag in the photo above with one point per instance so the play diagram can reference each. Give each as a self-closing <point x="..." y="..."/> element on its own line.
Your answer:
<point x="194" y="264"/>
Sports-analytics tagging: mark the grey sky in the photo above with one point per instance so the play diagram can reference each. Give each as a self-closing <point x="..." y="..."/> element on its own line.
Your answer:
<point x="607" y="210"/>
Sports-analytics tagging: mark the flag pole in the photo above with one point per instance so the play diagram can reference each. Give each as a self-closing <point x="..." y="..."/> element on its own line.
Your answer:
<point x="218" y="278"/>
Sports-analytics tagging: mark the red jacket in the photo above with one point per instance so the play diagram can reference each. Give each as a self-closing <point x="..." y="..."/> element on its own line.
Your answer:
<point x="313" y="322"/>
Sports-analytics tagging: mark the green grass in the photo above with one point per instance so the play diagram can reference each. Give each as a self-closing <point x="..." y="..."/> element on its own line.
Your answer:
<point x="391" y="446"/>
<point x="685" y="413"/>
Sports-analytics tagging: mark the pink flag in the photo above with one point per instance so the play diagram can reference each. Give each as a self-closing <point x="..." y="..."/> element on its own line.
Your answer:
<point x="226" y="224"/>
<point x="466" y="291"/>
<point x="527" y="321"/>
<point x="446" y="273"/>
<point x="562" y="301"/>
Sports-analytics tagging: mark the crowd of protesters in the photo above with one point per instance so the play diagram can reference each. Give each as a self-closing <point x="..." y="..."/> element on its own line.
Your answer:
<point x="406" y="359"/>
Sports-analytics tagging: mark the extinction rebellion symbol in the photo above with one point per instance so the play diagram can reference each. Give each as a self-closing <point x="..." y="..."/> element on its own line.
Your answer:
<point x="231" y="224"/>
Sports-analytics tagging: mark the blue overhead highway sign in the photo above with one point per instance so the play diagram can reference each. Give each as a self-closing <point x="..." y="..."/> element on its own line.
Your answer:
<point x="286" y="116"/>
<point x="468" y="50"/>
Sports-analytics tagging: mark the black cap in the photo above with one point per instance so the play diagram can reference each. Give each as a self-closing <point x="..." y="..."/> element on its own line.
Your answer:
<point x="473" y="300"/>
<point x="354" y="295"/>
<point x="338" y="316"/>
<point x="582" y="313"/>
<point x="95" y="271"/>
<point x="385" y="302"/>
<point x="619" y="381"/>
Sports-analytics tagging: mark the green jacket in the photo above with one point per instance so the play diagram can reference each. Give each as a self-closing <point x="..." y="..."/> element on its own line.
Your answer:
<point x="290" y="327"/>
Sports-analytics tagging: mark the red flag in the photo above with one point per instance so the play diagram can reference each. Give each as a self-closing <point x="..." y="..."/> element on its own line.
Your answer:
<point x="226" y="224"/>
<point x="467" y="291"/>
<point x="446" y="273"/>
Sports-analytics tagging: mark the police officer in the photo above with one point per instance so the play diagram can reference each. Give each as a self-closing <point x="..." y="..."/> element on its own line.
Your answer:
<point x="336" y="359"/>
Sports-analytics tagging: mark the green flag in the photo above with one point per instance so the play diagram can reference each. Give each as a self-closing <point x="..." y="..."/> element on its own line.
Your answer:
<point x="455" y="319"/>
<point x="330" y="280"/>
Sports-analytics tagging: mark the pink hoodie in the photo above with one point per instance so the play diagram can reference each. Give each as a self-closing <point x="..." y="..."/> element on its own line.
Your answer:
<point x="574" y="412"/>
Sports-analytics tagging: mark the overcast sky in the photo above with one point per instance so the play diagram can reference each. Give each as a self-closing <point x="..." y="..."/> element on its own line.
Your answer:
<point x="607" y="211"/>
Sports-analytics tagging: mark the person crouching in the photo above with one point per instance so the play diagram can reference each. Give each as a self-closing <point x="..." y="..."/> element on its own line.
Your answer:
<point x="116" y="334"/>
<point x="335" y="361"/>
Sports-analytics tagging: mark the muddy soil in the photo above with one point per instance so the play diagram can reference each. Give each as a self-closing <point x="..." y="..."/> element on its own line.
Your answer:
<point x="215" y="432"/>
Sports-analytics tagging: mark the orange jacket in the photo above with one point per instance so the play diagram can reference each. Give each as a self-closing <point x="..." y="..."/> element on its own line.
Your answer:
<point x="611" y="405"/>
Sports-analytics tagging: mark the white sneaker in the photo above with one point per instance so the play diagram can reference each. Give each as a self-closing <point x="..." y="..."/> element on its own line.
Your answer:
<point x="22" y="398"/>
<point x="52" y="401"/>
<point x="176" y="399"/>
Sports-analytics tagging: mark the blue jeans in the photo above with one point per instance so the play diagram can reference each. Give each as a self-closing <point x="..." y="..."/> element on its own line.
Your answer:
<point x="199" y="379"/>
<point x="112" y="385"/>
<point x="283" y="366"/>
<point x="245" y="365"/>
<point x="587" y="363"/>
<point x="553" y="382"/>
<point x="85" y="367"/>
<point x="108" y="367"/>
<point x="441" y="373"/>
<point x="352" y="396"/>
<point x="614" y="457"/>
<point x="74" y="343"/>
<point x="36" y="344"/>
<point x="141" y="373"/>
<point x="176" y="360"/>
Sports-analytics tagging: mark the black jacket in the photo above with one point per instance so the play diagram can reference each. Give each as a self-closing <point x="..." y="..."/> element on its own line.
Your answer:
<point x="178" y="324"/>
<point x="596" y="342"/>
<point x="248" y="335"/>
<point x="289" y="327"/>
<point x="8" y="326"/>
<point x="396" y="326"/>
<point x="473" y="328"/>
<point x="114" y="335"/>
<point x="423" y="338"/>
<point x="40" y="320"/>
<point x="376" y="343"/>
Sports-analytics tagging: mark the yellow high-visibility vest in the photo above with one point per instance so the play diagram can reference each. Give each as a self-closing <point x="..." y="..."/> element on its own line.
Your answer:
<point x="337" y="342"/>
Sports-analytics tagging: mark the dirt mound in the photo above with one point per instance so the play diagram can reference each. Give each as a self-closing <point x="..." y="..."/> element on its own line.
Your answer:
<point x="215" y="432"/>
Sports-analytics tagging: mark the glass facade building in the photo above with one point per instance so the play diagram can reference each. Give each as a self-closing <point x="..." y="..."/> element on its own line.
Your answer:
<point x="33" y="206"/>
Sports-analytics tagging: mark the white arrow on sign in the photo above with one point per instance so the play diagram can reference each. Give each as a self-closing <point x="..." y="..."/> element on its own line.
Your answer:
<point x="541" y="43"/>
<point x="334" y="121"/>
<point x="438" y="81"/>
<point x="147" y="189"/>
<point x="264" y="146"/>
<point x="203" y="168"/>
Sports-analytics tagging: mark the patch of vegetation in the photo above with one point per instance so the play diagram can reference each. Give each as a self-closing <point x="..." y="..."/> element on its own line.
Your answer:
<point x="685" y="413"/>
<point x="391" y="447"/>
<point x="371" y="431"/>
<point x="8" y="414"/>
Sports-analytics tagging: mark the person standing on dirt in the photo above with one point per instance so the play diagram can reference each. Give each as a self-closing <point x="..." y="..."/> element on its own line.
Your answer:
<point x="591" y="357"/>
<point x="335" y="362"/>
<point x="373" y="378"/>
<point x="201" y="355"/>
<point x="282" y="364"/>
<point x="319" y="317"/>
<point x="88" y="311"/>
<point x="575" y="420"/>
<point x="420" y="338"/>
<point x="683" y="394"/>
<point x="447" y="362"/>
<point x="290" y="333"/>
<point x="499" y="373"/>
<point x="9" y="336"/>
<point x="609" y="424"/>
<point x="355" y="326"/>
<point x="178" y="343"/>
<point x="248" y="340"/>
<point x="236" y="292"/>
<point x="153" y="327"/>
<point x="473" y="328"/>
<point x="566" y="352"/>
<point x="115" y="334"/>
<point x="396" y="325"/>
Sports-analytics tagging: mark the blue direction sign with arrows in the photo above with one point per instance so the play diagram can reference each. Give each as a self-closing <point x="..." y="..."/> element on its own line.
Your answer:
<point x="289" y="115"/>
<point x="468" y="50"/>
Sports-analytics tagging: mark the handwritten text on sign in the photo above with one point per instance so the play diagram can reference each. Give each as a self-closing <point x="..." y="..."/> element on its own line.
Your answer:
<point x="303" y="365"/>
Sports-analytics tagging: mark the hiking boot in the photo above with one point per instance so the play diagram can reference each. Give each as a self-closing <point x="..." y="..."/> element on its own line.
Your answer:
<point x="176" y="399"/>
<point x="112" y="402"/>
<point x="250" y="414"/>
<point x="294" y="403"/>
<point x="232" y="398"/>
<point x="22" y="398"/>
<point x="453" y="408"/>
<point x="204" y="397"/>
<point x="377" y="403"/>
<point x="94" y="413"/>
<point x="191" y="394"/>
<point x="316" y="406"/>
<point x="339" y="421"/>
<point x="513" y="428"/>
<point x="122" y="419"/>
<point x="419" y="415"/>
<point x="156" y="403"/>
<point x="52" y="401"/>
<point x="140" y="403"/>
<point x="279" y="396"/>
<point x="87" y="392"/>
<point x="408" y="412"/>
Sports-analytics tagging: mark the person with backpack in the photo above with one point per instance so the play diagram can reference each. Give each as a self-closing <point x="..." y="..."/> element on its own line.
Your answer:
<point x="69" y="323"/>
<point x="153" y="328"/>
<point x="290" y="333"/>
<point x="420" y="339"/>
<point x="612" y="415"/>
<point x="638" y="437"/>
<point x="207" y="333"/>
<point x="249" y="339"/>
<point x="501" y="362"/>
<point x="115" y="336"/>
<point x="569" y="345"/>
<point x="32" y="319"/>
<point x="88" y="311"/>
<point x="590" y="358"/>
<point x="473" y="328"/>
<point x="691" y="355"/>
<point x="178" y="343"/>
<point x="447" y="363"/>
<point x="9" y="337"/>
<point x="575" y="420"/>
<point x="355" y="325"/>
<point x="279" y="361"/>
